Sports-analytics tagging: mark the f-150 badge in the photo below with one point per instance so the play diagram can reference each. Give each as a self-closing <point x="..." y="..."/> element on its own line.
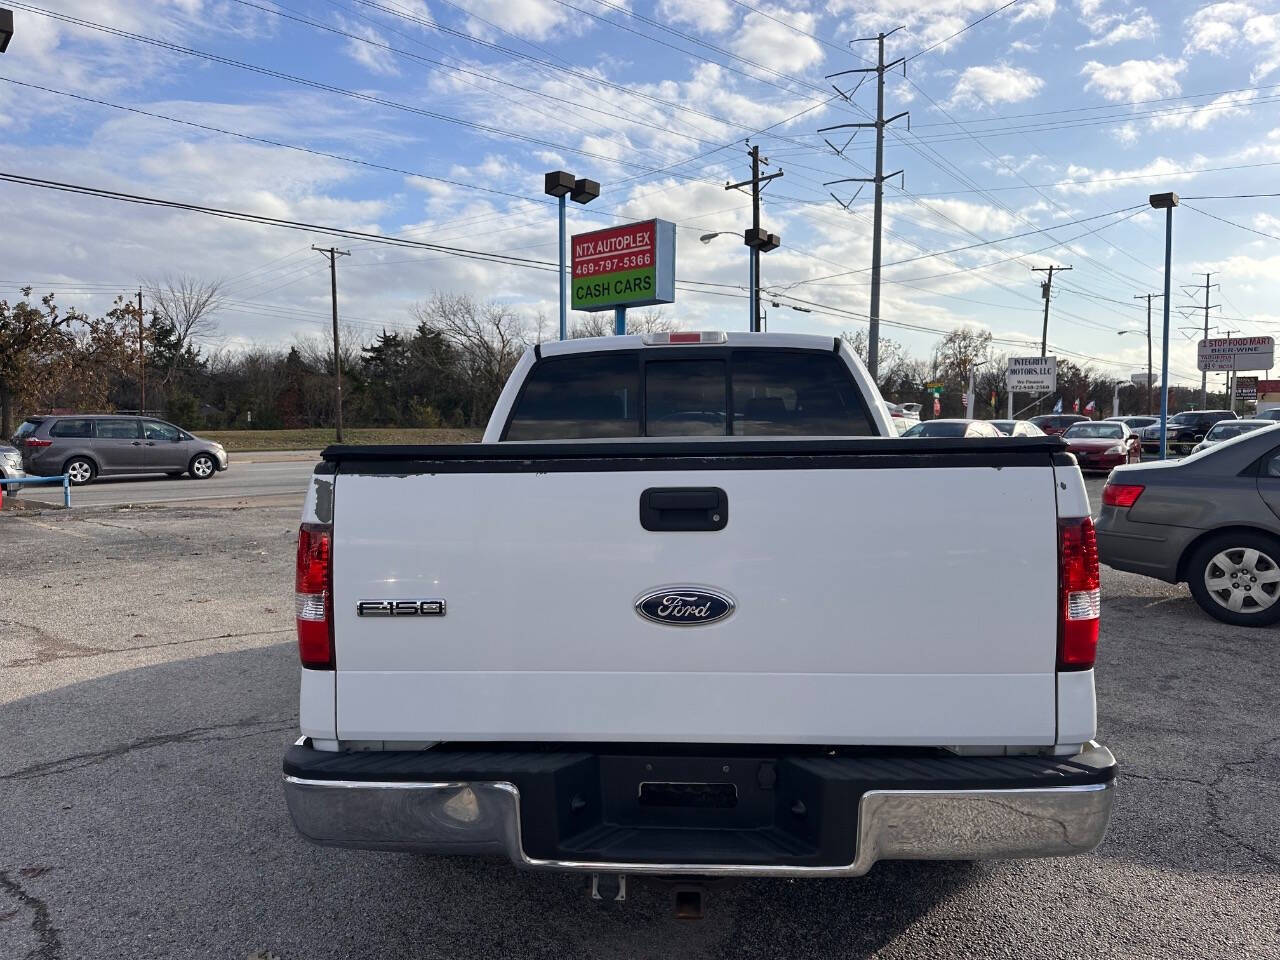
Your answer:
<point x="684" y="606"/>
<point x="400" y="608"/>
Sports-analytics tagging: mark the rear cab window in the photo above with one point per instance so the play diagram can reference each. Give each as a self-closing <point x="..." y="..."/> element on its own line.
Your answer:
<point x="694" y="392"/>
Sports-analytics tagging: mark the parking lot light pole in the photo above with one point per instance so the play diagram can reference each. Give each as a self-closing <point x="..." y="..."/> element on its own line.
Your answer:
<point x="1165" y="202"/>
<point x="560" y="184"/>
<point x="969" y="406"/>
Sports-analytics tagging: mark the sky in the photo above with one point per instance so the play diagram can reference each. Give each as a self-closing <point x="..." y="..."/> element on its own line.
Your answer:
<point x="1036" y="131"/>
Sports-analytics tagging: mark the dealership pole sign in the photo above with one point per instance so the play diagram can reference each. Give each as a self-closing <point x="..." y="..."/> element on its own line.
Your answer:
<point x="633" y="265"/>
<point x="1236" y="353"/>
<point x="1032" y="375"/>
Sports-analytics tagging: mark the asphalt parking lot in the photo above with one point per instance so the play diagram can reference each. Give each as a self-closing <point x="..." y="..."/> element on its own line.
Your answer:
<point x="148" y="687"/>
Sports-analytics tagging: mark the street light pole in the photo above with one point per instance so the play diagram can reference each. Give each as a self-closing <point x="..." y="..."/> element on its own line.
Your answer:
<point x="1165" y="202"/>
<point x="560" y="184"/>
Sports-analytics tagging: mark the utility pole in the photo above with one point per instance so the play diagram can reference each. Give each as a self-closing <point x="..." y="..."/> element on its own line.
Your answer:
<point x="756" y="239"/>
<point x="333" y="253"/>
<point x="142" y="363"/>
<point x="877" y="218"/>
<point x="1046" y="291"/>
<point x="1148" y="297"/>
<point x="1204" y="374"/>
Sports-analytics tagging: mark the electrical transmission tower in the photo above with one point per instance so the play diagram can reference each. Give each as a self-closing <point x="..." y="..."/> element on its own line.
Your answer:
<point x="881" y="121"/>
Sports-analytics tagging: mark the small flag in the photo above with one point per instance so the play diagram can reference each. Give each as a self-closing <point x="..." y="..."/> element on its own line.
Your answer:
<point x="964" y="400"/>
<point x="1057" y="407"/>
<point x="1075" y="405"/>
<point x="937" y="406"/>
<point x="1090" y="407"/>
<point x="993" y="400"/>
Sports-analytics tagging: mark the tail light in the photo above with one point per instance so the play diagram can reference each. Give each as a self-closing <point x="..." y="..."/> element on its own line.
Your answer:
<point x="1121" y="494"/>
<point x="33" y="442"/>
<point x="313" y="582"/>
<point x="1079" y="599"/>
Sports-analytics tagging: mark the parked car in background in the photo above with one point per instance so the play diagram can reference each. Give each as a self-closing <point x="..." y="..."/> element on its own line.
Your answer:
<point x="1185" y="430"/>
<point x="85" y="446"/>
<point x="1102" y="445"/>
<point x="1227" y="429"/>
<point x="10" y="465"/>
<point x="1135" y="422"/>
<point x="1017" y="428"/>
<point x="1211" y="520"/>
<point x="902" y="418"/>
<point x="1055" y="423"/>
<point x="1272" y="414"/>
<point x="953" y="428"/>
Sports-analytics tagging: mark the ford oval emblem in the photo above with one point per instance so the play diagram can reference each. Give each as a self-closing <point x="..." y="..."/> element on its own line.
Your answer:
<point x="684" y="606"/>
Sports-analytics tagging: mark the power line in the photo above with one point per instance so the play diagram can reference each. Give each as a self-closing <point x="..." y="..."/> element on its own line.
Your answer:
<point x="967" y="26"/>
<point x="1230" y="223"/>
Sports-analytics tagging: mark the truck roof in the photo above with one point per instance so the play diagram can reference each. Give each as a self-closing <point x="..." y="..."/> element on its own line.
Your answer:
<point x="794" y="341"/>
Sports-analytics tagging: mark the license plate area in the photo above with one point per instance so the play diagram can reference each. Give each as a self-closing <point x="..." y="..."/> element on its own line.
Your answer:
<point x="688" y="796"/>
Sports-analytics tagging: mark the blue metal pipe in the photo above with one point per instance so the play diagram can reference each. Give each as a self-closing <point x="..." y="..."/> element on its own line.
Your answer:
<point x="1164" y="352"/>
<point x="564" y="290"/>
<point x="64" y="480"/>
<point x="619" y="320"/>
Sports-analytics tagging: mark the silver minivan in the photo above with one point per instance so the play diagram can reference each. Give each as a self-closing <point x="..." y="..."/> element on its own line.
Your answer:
<point x="85" y="446"/>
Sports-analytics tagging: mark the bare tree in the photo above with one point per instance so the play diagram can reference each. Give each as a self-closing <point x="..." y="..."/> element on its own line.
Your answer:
<point x="187" y="304"/>
<point x="600" y="323"/>
<point x="488" y="337"/>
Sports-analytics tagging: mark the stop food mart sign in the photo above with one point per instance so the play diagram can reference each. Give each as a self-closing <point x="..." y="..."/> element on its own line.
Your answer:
<point x="629" y="266"/>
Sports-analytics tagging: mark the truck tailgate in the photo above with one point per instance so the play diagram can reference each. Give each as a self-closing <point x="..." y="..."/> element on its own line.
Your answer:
<point x="911" y="602"/>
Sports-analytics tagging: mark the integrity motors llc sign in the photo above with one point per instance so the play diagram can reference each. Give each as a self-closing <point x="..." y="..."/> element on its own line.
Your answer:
<point x="629" y="266"/>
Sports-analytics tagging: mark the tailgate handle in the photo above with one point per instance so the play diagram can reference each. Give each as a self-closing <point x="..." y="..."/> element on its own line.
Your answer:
<point x="684" y="508"/>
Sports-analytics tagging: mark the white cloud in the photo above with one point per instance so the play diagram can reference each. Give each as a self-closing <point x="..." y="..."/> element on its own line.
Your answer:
<point x="1216" y="27"/>
<point x="534" y="19"/>
<point x="709" y="16"/>
<point x="1126" y="133"/>
<point x="763" y="39"/>
<point x="1223" y="28"/>
<point x="1134" y="79"/>
<point x="375" y="59"/>
<point x="1110" y="29"/>
<point x="1107" y="179"/>
<point x="1199" y="118"/>
<point x="999" y="83"/>
<point x="932" y="21"/>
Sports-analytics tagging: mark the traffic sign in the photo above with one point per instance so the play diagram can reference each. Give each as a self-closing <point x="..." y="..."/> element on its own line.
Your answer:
<point x="1236" y="353"/>
<point x="633" y="265"/>
<point x="1032" y="374"/>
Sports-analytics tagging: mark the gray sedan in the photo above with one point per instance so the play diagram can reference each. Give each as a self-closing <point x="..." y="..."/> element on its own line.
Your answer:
<point x="1211" y="519"/>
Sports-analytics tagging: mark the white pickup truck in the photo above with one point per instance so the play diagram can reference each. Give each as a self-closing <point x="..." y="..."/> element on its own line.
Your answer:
<point x="669" y="618"/>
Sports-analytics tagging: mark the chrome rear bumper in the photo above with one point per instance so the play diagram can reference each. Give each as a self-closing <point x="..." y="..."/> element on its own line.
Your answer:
<point x="483" y="818"/>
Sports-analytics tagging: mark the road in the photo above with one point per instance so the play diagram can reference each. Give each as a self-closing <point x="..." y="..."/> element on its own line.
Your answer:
<point x="148" y="685"/>
<point x="281" y="477"/>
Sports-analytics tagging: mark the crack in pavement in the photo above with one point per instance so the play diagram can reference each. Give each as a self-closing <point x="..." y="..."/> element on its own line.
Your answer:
<point x="194" y="735"/>
<point x="47" y="935"/>
<point x="50" y="647"/>
<point x="69" y="649"/>
<point x="1217" y="819"/>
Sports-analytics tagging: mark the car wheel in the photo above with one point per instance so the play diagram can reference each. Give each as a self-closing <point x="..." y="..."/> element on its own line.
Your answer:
<point x="1235" y="577"/>
<point x="80" y="471"/>
<point x="202" y="466"/>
